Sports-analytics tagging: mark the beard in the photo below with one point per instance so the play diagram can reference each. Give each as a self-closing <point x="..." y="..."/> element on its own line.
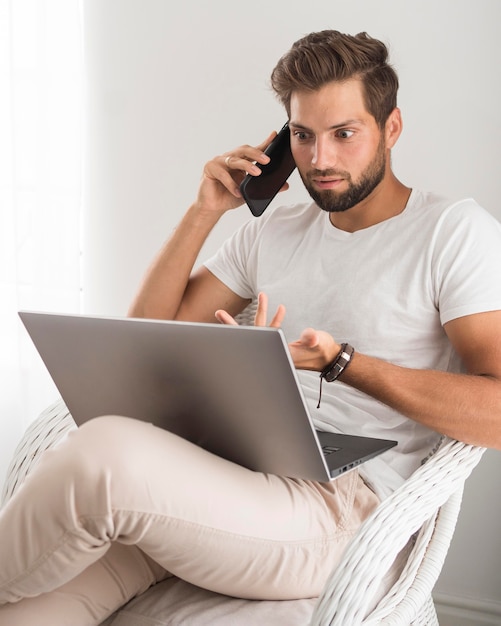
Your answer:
<point x="336" y="202"/>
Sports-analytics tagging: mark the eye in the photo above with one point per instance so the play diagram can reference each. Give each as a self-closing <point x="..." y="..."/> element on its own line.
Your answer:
<point x="345" y="133"/>
<point x="301" y="135"/>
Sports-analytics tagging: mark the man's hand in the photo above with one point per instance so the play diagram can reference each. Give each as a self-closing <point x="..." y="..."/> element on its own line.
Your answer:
<point x="261" y="314"/>
<point x="219" y="189"/>
<point x="314" y="350"/>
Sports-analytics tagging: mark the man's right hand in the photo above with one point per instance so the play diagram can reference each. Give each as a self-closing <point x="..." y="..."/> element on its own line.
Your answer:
<point x="219" y="189"/>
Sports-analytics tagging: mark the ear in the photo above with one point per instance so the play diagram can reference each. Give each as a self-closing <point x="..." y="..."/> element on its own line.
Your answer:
<point x="393" y="127"/>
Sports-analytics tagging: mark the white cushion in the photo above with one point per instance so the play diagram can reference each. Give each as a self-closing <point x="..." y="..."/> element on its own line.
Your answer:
<point x="173" y="601"/>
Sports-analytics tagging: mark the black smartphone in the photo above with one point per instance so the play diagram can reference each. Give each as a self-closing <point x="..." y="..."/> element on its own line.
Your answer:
<point x="259" y="191"/>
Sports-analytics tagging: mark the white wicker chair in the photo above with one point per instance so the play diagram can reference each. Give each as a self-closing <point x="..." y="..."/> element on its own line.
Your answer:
<point x="423" y="511"/>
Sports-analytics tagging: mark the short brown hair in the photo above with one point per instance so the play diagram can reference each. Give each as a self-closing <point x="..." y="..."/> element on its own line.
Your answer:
<point x="322" y="57"/>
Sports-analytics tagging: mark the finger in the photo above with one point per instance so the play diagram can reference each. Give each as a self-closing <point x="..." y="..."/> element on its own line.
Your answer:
<point x="234" y="163"/>
<point x="262" y="146"/>
<point x="246" y="156"/>
<point x="309" y="338"/>
<point x="262" y="310"/>
<point x="244" y="159"/>
<point x="278" y="318"/>
<point x="213" y="172"/>
<point x="225" y="318"/>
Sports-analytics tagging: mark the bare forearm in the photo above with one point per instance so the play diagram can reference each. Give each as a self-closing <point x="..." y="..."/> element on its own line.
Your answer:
<point x="164" y="285"/>
<point x="464" y="407"/>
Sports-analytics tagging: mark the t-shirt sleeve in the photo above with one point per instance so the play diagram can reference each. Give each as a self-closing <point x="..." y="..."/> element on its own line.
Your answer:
<point x="467" y="262"/>
<point x="235" y="263"/>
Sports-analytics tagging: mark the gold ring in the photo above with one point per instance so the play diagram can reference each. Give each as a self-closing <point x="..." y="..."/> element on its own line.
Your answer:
<point x="227" y="160"/>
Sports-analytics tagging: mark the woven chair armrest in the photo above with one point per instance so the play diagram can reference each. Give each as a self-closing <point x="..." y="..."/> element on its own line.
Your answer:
<point x="388" y="530"/>
<point x="49" y="428"/>
<point x="246" y="317"/>
<point x="406" y="602"/>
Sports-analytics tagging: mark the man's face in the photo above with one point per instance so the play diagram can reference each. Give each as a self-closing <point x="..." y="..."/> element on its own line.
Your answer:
<point x="340" y="151"/>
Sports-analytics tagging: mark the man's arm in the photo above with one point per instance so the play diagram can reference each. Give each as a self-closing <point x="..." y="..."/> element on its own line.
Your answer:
<point x="466" y="407"/>
<point x="171" y="290"/>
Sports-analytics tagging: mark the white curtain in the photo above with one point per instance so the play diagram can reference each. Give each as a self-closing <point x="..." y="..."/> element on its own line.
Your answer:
<point x="40" y="193"/>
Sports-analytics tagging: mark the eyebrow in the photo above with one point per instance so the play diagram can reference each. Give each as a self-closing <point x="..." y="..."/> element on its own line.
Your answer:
<point x="333" y="127"/>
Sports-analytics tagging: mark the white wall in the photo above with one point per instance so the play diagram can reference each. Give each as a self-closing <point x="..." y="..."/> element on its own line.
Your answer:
<point x="171" y="84"/>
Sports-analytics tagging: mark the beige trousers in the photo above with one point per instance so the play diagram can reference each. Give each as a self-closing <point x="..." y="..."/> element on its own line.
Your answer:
<point x="122" y="504"/>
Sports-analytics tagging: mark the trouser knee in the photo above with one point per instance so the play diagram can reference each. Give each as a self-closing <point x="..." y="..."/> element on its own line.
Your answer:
<point x="101" y="445"/>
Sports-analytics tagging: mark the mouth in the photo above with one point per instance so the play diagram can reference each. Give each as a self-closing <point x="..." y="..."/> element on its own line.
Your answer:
<point x="326" y="183"/>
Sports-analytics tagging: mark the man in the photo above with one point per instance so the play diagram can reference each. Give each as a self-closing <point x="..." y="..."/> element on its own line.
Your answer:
<point x="410" y="280"/>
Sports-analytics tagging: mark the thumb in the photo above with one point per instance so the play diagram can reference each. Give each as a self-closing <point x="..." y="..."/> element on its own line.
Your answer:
<point x="309" y="337"/>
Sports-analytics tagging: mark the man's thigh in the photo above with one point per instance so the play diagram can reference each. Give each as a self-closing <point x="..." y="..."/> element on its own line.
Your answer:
<point x="224" y="527"/>
<point x="207" y="520"/>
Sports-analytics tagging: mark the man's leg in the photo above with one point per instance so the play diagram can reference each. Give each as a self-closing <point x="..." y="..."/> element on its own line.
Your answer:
<point x="121" y="574"/>
<point x="202" y="518"/>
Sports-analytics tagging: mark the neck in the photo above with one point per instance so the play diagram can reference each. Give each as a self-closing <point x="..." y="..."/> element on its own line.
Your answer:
<point x="387" y="200"/>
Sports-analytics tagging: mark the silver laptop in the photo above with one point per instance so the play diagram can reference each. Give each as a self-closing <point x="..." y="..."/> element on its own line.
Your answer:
<point x="232" y="390"/>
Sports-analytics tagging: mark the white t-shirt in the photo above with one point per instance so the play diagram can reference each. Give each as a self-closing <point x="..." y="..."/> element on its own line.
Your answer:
<point x="387" y="290"/>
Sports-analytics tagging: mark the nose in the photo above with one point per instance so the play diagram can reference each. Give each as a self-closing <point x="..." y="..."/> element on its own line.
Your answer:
<point x="323" y="156"/>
